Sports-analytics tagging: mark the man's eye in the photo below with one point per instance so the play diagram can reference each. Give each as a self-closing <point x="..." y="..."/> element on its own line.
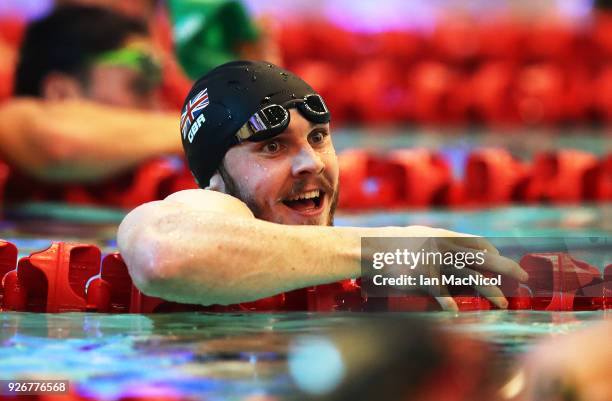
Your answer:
<point x="271" y="147"/>
<point x="318" y="137"/>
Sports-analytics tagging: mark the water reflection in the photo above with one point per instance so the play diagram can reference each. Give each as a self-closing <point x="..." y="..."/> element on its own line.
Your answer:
<point x="225" y="356"/>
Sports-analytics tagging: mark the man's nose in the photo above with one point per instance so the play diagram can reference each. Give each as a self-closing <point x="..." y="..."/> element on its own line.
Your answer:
<point x="307" y="161"/>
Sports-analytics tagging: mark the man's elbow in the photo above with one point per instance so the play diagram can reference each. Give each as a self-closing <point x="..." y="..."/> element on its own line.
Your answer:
<point x="151" y="270"/>
<point x="158" y="270"/>
<point x="160" y="265"/>
<point x="146" y="251"/>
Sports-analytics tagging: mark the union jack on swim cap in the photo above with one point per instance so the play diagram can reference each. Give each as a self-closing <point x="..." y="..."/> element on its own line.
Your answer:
<point x="222" y="101"/>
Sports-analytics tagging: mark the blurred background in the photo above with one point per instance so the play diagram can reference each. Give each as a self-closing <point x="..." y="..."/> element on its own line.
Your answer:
<point x="490" y="117"/>
<point x="467" y="104"/>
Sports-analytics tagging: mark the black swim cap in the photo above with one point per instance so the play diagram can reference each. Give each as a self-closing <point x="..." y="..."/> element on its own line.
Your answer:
<point x="222" y="101"/>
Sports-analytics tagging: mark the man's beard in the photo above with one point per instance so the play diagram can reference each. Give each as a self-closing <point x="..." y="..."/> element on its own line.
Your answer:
<point x="233" y="189"/>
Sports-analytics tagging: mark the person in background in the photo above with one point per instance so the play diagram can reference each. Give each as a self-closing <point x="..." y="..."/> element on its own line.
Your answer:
<point x="210" y="33"/>
<point x="86" y="105"/>
<point x="202" y="33"/>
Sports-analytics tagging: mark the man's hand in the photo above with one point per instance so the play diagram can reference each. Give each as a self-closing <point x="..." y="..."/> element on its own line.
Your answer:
<point x="434" y="241"/>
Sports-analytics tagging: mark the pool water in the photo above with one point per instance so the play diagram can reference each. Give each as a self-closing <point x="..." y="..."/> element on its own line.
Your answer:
<point x="219" y="356"/>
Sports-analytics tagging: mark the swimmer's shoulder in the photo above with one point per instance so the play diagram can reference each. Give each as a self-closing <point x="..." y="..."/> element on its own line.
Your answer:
<point x="210" y="201"/>
<point x="178" y="209"/>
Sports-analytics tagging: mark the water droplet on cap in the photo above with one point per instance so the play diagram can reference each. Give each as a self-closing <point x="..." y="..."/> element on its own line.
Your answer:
<point x="293" y="96"/>
<point x="270" y="65"/>
<point x="266" y="99"/>
<point x="254" y="78"/>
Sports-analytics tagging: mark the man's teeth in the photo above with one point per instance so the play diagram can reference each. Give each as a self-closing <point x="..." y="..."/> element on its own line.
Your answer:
<point x="306" y="195"/>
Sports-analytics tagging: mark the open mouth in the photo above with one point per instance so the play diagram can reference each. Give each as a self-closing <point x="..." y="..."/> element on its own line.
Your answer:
<point x="306" y="202"/>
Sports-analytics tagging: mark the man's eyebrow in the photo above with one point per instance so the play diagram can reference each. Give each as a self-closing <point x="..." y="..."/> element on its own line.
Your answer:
<point x="317" y="127"/>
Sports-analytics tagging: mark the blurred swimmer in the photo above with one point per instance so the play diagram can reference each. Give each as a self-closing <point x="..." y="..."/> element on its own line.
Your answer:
<point x="86" y="100"/>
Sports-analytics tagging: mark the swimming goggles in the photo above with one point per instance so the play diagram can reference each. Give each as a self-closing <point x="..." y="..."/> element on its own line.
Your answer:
<point x="274" y="119"/>
<point x="146" y="65"/>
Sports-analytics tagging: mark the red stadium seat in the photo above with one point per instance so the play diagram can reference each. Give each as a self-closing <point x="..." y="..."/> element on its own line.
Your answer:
<point x="425" y="176"/>
<point x="488" y="98"/>
<point x="558" y="177"/>
<point x="551" y="40"/>
<point x="602" y="32"/>
<point x="492" y="176"/>
<point x="597" y="181"/>
<point x="368" y="181"/>
<point x="434" y="91"/>
<point x="325" y="79"/>
<point x="397" y="46"/>
<point x="539" y="92"/>
<point x="457" y="40"/>
<point x="377" y="94"/>
<point x="601" y="89"/>
<point x="502" y="39"/>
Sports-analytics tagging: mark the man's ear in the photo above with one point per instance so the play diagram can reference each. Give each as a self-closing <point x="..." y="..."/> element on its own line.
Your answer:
<point x="217" y="183"/>
<point x="58" y="86"/>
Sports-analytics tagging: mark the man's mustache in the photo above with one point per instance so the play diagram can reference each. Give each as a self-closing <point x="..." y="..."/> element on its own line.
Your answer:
<point x="321" y="182"/>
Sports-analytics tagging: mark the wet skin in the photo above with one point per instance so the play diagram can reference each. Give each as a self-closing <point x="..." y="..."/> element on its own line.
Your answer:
<point x="268" y="175"/>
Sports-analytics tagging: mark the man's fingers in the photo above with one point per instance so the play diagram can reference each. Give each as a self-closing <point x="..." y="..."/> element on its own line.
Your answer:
<point x="476" y="243"/>
<point x="506" y="266"/>
<point x="494" y="262"/>
<point x="491" y="292"/>
<point x="469" y="241"/>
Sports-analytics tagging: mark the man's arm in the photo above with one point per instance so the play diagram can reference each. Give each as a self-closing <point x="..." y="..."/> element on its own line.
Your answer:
<point x="81" y="141"/>
<point x="200" y="246"/>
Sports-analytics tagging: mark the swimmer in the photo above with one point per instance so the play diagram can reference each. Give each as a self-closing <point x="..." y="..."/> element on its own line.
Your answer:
<point x="258" y="142"/>
<point x="85" y="104"/>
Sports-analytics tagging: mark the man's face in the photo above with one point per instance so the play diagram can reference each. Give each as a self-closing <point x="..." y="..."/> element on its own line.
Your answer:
<point x="116" y="86"/>
<point x="122" y="81"/>
<point x="289" y="179"/>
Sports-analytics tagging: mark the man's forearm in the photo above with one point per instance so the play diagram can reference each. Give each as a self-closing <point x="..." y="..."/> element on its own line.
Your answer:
<point x="82" y="141"/>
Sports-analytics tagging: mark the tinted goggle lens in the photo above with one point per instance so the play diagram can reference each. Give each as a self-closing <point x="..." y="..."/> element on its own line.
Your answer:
<point x="274" y="119"/>
<point x="315" y="103"/>
<point x="267" y="122"/>
<point x="314" y="109"/>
